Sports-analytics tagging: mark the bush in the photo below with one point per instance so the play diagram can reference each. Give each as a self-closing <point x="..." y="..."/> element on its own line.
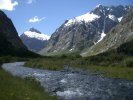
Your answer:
<point x="129" y="62"/>
<point x="126" y="48"/>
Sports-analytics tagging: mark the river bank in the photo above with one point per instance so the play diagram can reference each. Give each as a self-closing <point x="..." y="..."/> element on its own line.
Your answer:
<point x="75" y="85"/>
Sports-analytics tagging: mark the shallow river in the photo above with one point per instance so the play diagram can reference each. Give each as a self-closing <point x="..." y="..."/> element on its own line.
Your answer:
<point x="75" y="84"/>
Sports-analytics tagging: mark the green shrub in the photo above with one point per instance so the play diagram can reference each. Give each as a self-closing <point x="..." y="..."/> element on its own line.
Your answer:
<point x="129" y="62"/>
<point x="126" y="48"/>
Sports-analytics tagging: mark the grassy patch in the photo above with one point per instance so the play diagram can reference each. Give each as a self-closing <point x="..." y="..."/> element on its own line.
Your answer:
<point x="116" y="72"/>
<point x="112" y="72"/>
<point x="109" y="63"/>
<point x="54" y="63"/>
<point x="14" y="88"/>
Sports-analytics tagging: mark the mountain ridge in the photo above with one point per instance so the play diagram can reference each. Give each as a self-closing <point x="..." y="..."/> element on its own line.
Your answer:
<point x="10" y="43"/>
<point x="123" y="32"/>
<point x="76" y="35"/>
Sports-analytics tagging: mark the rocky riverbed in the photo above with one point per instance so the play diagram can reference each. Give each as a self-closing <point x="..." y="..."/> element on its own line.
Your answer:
<point x="75" y="84"/>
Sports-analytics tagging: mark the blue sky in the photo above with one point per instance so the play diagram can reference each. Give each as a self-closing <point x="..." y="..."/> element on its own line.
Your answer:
<point x="48" y="15"/>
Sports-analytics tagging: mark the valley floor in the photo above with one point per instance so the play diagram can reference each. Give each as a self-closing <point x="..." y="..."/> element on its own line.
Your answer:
<point x="112" y="68"/>
<point x="72" y="84"/>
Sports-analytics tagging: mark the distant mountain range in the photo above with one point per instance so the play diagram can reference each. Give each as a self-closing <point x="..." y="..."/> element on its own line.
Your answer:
<point x="81" y="33"/>
<point x="10" y="43"/>
<point x="102" y="29"/>
<point x="34" y="39"/>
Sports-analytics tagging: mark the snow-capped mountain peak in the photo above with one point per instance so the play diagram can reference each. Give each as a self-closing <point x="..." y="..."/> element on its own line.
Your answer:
<point x="34" y="30"/>
<point x="99" y="5"/>
<point x="33" y="33"/>
<point x="88" y="17"/>
<point x="98" y="12"/>
<point x="34" y="39"/>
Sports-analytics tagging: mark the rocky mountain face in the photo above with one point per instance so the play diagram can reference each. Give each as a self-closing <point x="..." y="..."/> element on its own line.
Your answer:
<point x="34" y="39"/>
<point x="10" y="43"/>
<point x="8" y="31"/>
<point x="118" y="35"/>
<point x="79" y="33"/>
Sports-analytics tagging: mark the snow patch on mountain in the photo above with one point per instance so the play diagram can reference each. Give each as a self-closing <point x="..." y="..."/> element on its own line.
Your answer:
<point x="112" y="17"/>
<point x="119" y="19"/>
<point x="102" y="36"/>
<point x="86" y="18"/>
<point x="36" y="35"/>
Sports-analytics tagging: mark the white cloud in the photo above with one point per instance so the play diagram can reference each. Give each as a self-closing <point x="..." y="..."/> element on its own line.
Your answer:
<point x="8" y="4"/>
<point x="36" y="19"/>
<point x="29" y="1"/>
